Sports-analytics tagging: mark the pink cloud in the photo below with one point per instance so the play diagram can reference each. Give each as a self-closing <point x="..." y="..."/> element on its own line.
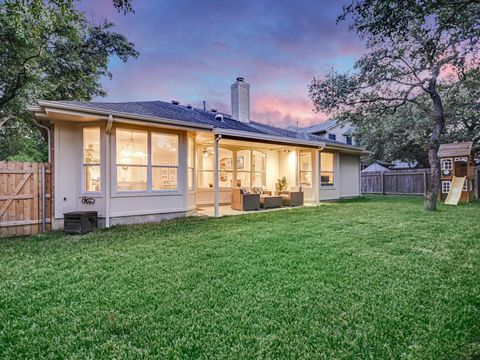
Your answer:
<point x="282" y="111"/>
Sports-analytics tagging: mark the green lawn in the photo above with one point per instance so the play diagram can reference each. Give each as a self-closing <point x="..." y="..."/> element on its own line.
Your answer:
<point x="369" y="278"/>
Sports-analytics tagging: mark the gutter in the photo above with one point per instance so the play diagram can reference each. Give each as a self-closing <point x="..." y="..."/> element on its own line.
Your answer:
<point x="57" y="105"/>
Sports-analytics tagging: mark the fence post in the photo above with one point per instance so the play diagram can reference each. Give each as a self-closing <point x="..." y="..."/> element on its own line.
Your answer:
<point x="44" y="201"/>
<point x="383" y="183"/>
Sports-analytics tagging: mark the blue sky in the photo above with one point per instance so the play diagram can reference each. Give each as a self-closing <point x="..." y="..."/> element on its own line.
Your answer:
<point x="193" y="50"/>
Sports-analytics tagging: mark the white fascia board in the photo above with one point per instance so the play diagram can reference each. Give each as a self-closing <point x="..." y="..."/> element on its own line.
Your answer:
<point x="155" y="119"/>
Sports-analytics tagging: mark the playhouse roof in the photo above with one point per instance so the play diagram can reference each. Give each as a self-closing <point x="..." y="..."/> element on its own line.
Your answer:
<point x="455" y="149"/>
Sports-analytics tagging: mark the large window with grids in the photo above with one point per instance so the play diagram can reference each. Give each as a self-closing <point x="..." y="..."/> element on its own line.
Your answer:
<point x="206" y="167"/>
<point x="259" y="167"/>
<point x="91" y="159"/>
<point x="327" y="172"/>
<point x="305" y="168"/>
<point x="146" y="160"/>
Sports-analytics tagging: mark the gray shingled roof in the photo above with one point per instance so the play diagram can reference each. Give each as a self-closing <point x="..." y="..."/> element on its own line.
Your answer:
<point x="324" y="126"/>
<point x="166" y="110"/>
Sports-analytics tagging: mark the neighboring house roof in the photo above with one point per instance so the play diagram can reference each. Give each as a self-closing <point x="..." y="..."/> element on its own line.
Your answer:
<point x="322" y="127"/>
<point x="376" y="168"/>
<point x="159" y="111"/>
<point x="455" y="149"/>
<point x="404" y="165"/>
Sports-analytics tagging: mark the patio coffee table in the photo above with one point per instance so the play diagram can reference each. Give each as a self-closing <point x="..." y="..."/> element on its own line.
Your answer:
<point x="268" y="201"/>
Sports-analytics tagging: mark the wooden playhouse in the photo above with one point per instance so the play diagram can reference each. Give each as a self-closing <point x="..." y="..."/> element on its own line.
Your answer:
<point x="457" y="166"/>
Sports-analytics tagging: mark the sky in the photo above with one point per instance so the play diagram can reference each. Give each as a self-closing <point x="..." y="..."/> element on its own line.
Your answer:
<point x="192" y="51"/>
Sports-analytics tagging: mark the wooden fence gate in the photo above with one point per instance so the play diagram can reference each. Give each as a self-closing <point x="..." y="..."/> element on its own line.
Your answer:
<point x="25" y="198"/>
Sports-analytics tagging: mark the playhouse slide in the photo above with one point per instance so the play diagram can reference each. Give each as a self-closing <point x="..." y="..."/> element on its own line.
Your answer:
<point x="455" y="191"/>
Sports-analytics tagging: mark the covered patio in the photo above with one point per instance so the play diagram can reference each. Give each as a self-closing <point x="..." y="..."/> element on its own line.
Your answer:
<point x="224" y="163"/>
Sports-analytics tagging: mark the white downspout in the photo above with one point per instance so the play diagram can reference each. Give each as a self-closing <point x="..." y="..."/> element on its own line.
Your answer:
<point x="216" y="177"/>
<point x="108" y="165"/>
<point x="49" y="135"/>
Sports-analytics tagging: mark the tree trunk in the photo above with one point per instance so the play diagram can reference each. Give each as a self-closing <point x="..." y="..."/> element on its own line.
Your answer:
<point x="433" y="188"/>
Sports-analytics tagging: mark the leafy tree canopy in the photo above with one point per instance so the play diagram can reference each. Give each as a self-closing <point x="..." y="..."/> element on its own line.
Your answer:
<point x="404" y="134"/>
<point x="415" y="50"/>
<point x="49" y="50"/>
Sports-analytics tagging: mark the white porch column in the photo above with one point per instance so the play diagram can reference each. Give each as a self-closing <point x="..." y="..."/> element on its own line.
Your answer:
<point x="107" y="168"/>
<point x="216" y="178"/>
<point x="316" y="178"/>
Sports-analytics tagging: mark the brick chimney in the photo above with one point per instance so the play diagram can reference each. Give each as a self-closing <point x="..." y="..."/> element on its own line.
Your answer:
<point x="241" y="100"/>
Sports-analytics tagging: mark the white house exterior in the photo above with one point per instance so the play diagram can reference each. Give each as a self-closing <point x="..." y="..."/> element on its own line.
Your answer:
<point x="148" y="161"/>
<point x="330" y="130"/>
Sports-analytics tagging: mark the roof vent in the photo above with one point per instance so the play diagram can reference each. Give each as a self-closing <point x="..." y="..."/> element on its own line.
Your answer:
<point x="219" y="117"/>
<point x="189" y="106"/>
<point x="240" y="79"/>
<point x="213" y="110"/>
<point x="175" y="102"/>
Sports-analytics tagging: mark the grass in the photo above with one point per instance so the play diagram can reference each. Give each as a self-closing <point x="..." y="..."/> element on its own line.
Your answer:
<point x="369" y="278"/>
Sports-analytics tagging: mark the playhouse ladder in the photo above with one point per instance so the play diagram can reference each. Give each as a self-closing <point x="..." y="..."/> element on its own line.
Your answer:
<point x="455" y="190"/>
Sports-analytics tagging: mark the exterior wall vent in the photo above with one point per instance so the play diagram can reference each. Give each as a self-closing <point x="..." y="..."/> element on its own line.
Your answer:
<point x="241" y="100"/>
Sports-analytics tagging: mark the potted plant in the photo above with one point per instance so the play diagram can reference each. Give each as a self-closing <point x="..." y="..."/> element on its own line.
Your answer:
<point x="281" y="185"/>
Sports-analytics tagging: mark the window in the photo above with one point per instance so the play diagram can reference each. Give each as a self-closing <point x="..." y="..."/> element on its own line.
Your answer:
<point x="348" y="139"/>
<point x="164" y="161"/>
<point x="327" y="169"/>
<point x="446" y="164"/>
<point x="332" y="137"/>
<point x="259" y="178"/>
<point x="243" y="168"/>
<point x="466" y="185"/>
<point x="91" y="159"/>
<point x="446" y="186"/>
<point x="305" y="168"/>
<point x="191" y="163"/>
<point x="250" y="168"/>
<point x="141" y="169"/>
<point x="206" y="168"/>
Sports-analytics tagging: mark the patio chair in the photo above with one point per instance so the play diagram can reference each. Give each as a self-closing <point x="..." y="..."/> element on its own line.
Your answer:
<point x="292" y="198"/>
<point x="244" y="201"/>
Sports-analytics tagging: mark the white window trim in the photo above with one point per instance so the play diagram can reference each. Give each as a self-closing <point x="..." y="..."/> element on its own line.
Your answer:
<point x="445" y="182"/>
<point x="149" y="191"/>
<point x="234" y="170"/>
<point x="84" y="191"/>
<point x="194" y="165"/>
<point x="328" y="172"/>
<point x="445" y="161"/>
<point x="300" y="171"/>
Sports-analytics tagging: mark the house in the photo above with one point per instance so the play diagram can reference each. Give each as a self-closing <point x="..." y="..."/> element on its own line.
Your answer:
<point x="151" y="160"/>
<point x="403" y="165"/>
<point x="331" y="130"/>
<point x="376" y="167"/>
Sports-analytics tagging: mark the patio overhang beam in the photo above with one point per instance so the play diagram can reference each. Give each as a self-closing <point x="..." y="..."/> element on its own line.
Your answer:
<point x="264" y="138"/>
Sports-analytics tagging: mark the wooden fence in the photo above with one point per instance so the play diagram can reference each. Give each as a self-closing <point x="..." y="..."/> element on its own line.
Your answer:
<point x="25" y="198"/>
<point x="403" y="182"/>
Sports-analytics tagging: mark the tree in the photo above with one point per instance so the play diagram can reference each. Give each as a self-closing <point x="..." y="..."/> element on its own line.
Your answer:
<point x="49" y="50"/>
<point x="411" y="47"/>
<point x="404" y="135"/>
